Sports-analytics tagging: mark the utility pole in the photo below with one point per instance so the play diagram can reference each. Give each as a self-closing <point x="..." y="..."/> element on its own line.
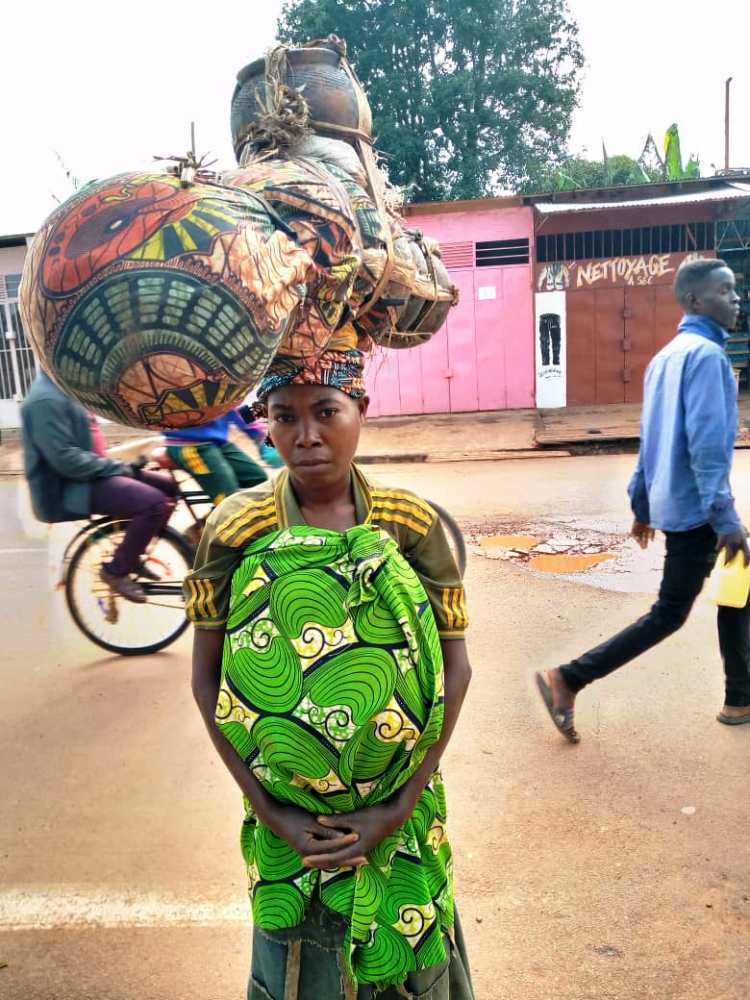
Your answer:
<point x="726" y="124"/>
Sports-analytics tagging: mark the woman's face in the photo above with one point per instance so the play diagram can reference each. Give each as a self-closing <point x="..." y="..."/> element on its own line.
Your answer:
<point x="315" y="429"/>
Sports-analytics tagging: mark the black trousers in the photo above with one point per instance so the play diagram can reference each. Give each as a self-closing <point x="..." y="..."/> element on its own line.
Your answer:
<point x="689" y="559"/>
<point x="550" y="336"/>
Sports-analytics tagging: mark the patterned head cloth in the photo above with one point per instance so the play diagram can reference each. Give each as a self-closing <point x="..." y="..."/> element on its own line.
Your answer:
<point x="341" y="367"/>
<point x="342" y="370"/>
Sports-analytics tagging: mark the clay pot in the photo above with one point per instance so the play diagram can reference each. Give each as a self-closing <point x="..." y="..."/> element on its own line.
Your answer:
<point x="338" y="104"/>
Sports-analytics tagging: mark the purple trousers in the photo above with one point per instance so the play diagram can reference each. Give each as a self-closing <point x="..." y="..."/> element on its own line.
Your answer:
<point x="147" y="503"/>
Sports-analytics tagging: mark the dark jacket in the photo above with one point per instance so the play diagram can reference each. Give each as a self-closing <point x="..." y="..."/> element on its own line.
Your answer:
<point x="59" y="463"/>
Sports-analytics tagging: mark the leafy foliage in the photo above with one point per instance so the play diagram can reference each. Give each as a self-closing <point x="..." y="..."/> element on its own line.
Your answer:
<point x="578" y="172"/>
<point x="613" y="171"/>
<point x="468" y="96"/>
<point x="673" y="167"/>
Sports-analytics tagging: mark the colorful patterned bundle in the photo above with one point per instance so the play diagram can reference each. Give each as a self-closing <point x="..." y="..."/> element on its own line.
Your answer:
<point x="160" y="299"/>
<point x="158" y="305"/>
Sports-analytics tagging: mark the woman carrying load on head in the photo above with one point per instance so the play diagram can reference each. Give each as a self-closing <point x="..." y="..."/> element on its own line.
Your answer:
<point x="330" y="668"/>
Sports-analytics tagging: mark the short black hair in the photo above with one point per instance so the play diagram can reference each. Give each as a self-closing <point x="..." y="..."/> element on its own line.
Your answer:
<point x="692" y="274"/>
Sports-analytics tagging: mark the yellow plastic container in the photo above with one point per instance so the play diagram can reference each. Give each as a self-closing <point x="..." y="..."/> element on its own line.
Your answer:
<point x="729" y="583"/>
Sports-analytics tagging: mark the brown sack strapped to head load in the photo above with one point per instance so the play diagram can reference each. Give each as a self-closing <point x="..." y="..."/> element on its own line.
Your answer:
<point x="284" y="99"/>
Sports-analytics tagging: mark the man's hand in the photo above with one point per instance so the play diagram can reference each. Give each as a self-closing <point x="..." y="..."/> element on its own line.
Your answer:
<point x="309" y="838"/>
<point x="370" y="826"/>
<point x="642" y="533"/>
<point x="734" y="543"/>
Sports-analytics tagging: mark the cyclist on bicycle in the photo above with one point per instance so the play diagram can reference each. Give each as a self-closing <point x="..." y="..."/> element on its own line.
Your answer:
<point x="71" y="477"/>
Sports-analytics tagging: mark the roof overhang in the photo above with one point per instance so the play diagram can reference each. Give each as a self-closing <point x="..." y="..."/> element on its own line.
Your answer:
<point x="718" y="193"/>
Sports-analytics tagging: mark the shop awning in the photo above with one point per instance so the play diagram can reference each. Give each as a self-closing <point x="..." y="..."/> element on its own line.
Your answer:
<point x="723" y="192"/>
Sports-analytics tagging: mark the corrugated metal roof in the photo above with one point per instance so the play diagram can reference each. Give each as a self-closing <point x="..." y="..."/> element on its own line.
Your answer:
<point x="724" y="192"/>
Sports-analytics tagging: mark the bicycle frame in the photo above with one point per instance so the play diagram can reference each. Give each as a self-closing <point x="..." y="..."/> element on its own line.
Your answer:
<point x="87" y="532"/>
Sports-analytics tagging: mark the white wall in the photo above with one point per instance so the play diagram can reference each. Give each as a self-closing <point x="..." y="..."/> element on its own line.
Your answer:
<point x="11" y="262"/>
<point x="11" y="259"/>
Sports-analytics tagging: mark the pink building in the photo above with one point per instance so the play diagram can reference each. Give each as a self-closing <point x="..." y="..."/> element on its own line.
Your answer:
<point x="483" y="358"/>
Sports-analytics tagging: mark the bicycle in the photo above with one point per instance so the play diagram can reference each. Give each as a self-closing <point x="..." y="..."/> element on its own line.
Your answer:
<point x="106" y="619"/>
<point x="130" y="629"/>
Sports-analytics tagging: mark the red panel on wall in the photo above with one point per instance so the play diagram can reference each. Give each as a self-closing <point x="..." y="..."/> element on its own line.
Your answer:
<point x="461" y="373"/>
<point x="435" y="386"/>
<point x="383" y="383"/>
<point x="410" y="380"/>
<point x="483" y="359"/>
<point x="652" y="315"/>
<point x="517" y="325"/>
<point x="491" y="333"/>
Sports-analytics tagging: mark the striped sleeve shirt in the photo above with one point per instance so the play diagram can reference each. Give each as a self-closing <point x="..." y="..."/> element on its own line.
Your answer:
<point x="249" y="514"/>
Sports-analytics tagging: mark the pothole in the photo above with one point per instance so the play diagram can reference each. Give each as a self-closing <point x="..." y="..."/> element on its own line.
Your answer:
<point x="585" y="550"/>
<point x="568" y="562"/>
<point x="511" y="543"/>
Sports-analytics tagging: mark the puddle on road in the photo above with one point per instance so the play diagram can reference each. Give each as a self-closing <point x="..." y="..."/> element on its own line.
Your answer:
<point x="515" y="543"/>
<point x="565" y="563"/>
<point x="596" y="553"/>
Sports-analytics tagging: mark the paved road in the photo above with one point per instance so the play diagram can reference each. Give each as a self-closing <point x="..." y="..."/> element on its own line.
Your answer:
<point x="615" y="870"/>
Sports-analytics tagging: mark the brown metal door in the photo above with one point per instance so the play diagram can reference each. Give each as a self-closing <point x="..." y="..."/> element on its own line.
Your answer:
<point x="651" y="317"/>
<point x="581" y="348"/>
<point x="610" y="333"/>
<point x="595" y="358"/>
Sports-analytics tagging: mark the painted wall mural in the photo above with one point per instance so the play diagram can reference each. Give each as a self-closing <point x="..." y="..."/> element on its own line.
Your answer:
<point x="613" y="272"/>
<point x="550" y="349"/>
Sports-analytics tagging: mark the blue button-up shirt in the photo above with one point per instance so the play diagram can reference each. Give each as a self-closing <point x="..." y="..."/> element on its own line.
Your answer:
<point x="688" y="429"/>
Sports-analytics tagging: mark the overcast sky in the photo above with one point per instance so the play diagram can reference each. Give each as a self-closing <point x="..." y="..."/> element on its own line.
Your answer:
<point x="107" y="85"/>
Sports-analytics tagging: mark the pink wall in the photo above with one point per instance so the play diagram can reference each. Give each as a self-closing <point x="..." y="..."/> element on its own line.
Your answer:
<point x="483" y="358"/>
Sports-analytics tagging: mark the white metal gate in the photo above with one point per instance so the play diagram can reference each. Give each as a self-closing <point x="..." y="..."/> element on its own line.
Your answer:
<point x="17" y="364"/>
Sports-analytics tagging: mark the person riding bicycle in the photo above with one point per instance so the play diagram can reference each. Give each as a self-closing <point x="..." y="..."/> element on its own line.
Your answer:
<point x="71" y="477"/>
<point x="216" y="464"/>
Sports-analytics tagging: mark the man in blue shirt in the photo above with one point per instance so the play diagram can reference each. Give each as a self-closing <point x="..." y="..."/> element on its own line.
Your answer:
<point x="681" y="487"/>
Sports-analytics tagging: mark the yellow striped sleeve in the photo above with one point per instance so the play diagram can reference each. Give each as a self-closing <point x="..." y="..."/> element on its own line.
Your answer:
<point x="230" y="527"/>
<point x="453" y="602"/>
<point x="239" y="528"/>
<point x="405" y="503"/>
<point x="423" y="542"/>
<point x="192" y="459"/>
<point x="200" y="604"/>
<point x="401" y="507"/>
<point x="394" y="517"/>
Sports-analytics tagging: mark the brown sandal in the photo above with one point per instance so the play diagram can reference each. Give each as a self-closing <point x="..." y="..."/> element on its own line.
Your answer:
<point x="564" y="719"/>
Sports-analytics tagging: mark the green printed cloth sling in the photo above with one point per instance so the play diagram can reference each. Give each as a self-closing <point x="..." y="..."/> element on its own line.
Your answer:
<point x="332" y="692"/>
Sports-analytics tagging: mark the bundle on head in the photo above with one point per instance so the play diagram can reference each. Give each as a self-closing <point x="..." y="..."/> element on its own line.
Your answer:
<point x="402" y="293"/>
<point x="159" y="305"/>
<point x="159" y="299"/>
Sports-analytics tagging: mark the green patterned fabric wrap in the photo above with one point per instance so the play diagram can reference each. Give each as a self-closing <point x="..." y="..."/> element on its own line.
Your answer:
<point x="332" y="692"/>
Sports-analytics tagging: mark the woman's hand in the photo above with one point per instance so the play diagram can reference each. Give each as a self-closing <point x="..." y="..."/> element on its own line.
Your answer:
<point x="308" y="837"/>
<point x="369" y="826"/>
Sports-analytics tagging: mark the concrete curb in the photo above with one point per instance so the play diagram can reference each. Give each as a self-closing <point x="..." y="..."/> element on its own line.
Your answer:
<point x="410" y="458"/>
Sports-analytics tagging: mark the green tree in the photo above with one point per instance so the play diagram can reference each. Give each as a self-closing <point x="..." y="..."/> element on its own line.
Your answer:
<point x="468" y="96"/>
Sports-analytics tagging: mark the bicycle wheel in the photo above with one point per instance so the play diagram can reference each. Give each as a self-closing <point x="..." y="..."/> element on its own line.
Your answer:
<point x="455" y="536"/>
<point x="109" y="620"/>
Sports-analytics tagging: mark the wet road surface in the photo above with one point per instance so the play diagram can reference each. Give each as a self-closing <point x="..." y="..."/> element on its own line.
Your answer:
<point x="615" y="869"/>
